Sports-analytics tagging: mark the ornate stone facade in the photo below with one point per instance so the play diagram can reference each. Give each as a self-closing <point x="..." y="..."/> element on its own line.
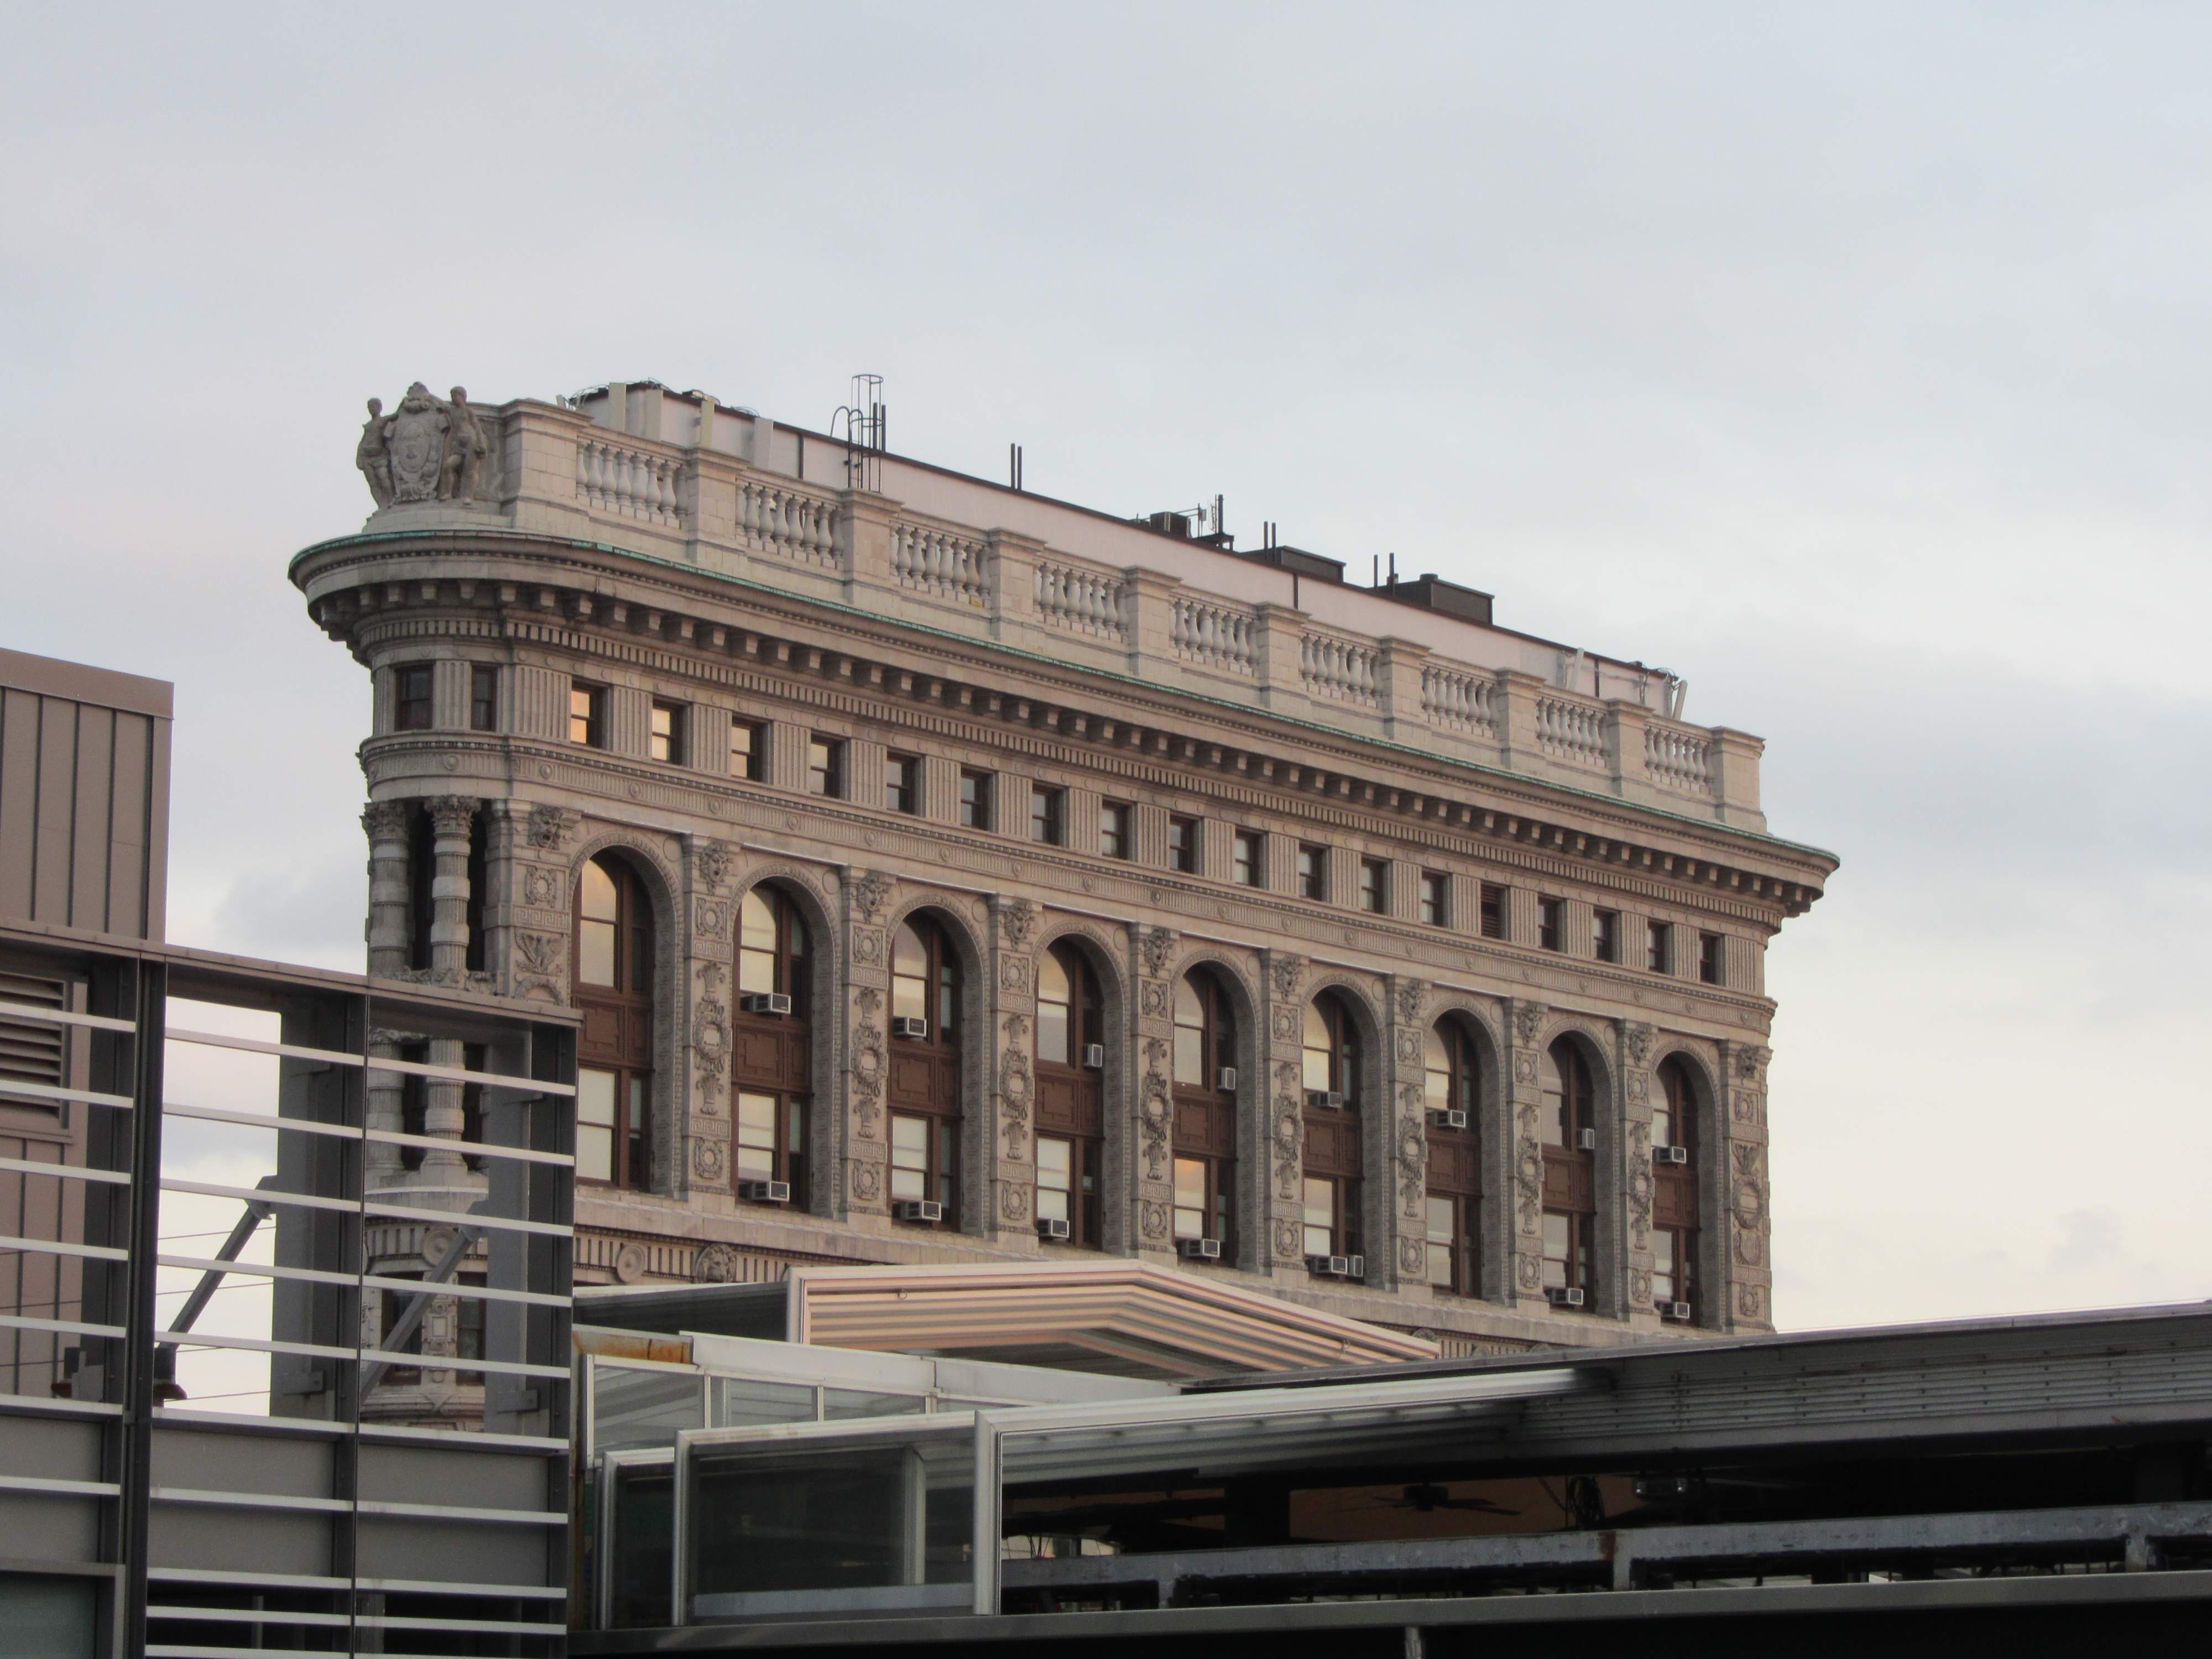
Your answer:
<point x="1447" y="774"/>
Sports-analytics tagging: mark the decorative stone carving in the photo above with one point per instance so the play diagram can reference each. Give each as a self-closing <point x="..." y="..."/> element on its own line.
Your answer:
<point x="714" y="1264"/>
<point x="1528" y="1175"/>
<point x="1286" y="973"/>
<point x="1640" y="1287"/>
<point x="1157" y="949"/>
<point x="1748" y="1302"/>
<point x="1152" y="1219"/>
<point x="630" y="1262"/>
<point x="540" y="887"/>
<point x="871" y="892"/>
<point x="1751" y="1061"/>
<point x="710" y="920"/>
<point x="711" y="858"/>
<point x="1014" y="1085"/>
<point x="429" y="448"/>
<point x="707" y="1160"/>
<point x="1640" y="1185"/>
<point x="373" y="455"/>
<point x="869" y="1061"/>
<point x="1013" y="1202"/>
<point x="1411" y="997"/>
<point x="1287" y="1239"/>
<point x="1409" y="1046"/>
<point x="1282" y="1021"/>
<point x="1289" y="1128"/>
<point x="867" y="1183"/>
<point x="710" y="1048"/>
<point x="1524" y="1066"/>
<point x="1412" y="1255"/>
<point x="1528" y="1021"/>
<point x="415" y="446"/>
<point x="467" y="445"/>
<point x="867" y="947"/>
<point x="1014" y="974"/>
<point x="1639" y="1039"/>
<point x="1748" y="1207"/>
<point x="451" y="814"/>
<point x="1018" y="918"/>
<point x="1154" y="1000"/>
<point x="1156" y="1114"/>
<point x="384" y="820"/>
<point x="1530" y="1273"/>
<point x="549" y="828"/>
<point x="541" y="964"/>
<point x="1412" y="1152"/>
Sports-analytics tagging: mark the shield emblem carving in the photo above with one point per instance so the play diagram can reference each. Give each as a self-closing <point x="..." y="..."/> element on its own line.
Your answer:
<point x="417" y="446"/>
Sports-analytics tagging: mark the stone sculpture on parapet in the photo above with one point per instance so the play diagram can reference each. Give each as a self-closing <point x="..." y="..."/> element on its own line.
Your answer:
<point x="429" y="449"/>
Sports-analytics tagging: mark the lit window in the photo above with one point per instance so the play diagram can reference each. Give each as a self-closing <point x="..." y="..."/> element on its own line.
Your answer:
<point x="587" y="715"/>
<point x="667" y="739"/>
<point x="748" y="750"/>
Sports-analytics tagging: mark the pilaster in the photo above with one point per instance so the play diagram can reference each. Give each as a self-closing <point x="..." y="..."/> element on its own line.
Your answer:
<point x="864" y="547"/>
<point x="539" y="889"/>
<point x="1276" y="1182"/>
<point x="1624" y="727"/>
<point x="1008" y="1145"/>
<point x="1278" y="634"/>
<point x="1151" y="623"/>
<point x="1009" y="567"/>
<point x="1398" y="667"/>
<point x="1150" y="1172"/>
<point x="1736" y="1168"/>
<point x="1638" y="1184"/>
<point x="1523" y="1152"/>
<point x="1516" y="703"/>
<point x="860" y="1140"/>
<point x="1397" y="1152"/>
<point x="386" y="822"/>
<point x="450" y="817"/>
<point x="701" y="1097"/>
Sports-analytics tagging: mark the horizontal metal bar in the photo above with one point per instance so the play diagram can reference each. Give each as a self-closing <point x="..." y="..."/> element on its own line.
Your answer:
<point x="474" y="1217"/>
<point x="473" y="1148"/>
<point x="54" y="1091"/>
<point x="455" y="1512"/>
<point x="375" y="1281"/>
<point x="64" y="1017"/>
<point x="66" y="1172"/>
<point x="306" y="1126"/>
<point x="386" y="1621"/>
<point x="48" y="1486"/>
<point x="475" y="1292"/>
<point x="44" y="1405"/>
<point x="479" y="1439"/>
<point x="260" y="1195"/>
<point x="62" y="1247"/>
<point x="524" y="1085"/>
<point x="440" y="1362"/>
<point x="220" y="1576"/>
<point x="252" y="1345"/>
<point x="441" y="1587"/>
<point x="374" y="1063"/>
<point x="208" y="1498"/>
<point x="62" y="1327"/>
<point x="460" y="1626"/>
<point x="347" y="1131"/>
<point x="248" y="1616"/>
<point x="367" y="1207"/>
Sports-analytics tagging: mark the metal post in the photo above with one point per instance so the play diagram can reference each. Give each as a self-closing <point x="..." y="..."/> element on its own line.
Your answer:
<point x="989" y="1471"/>
<point x="138" y="1378"/>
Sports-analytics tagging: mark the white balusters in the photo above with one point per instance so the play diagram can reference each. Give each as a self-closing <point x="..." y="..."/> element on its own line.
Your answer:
<point x="1342" y="670"/>
<point x="1458" y="702"/>
<point x="1216" y="635"/>
<point x="1676" y="759"/>
<point x="790" y="523"/>
<point x="937" y="563"/>
<point x="1081" y="601"/>
<point x="613" y="477"/>
<point x="1570" y="731"/>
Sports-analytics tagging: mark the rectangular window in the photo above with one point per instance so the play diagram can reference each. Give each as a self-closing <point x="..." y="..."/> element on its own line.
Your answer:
<point x="1055" y="1182"/>
<point x="1567" y="1249"/>
<point x="1192" y="1205"/>
<point x="411" y="694"/>
<point x="1313" y="870"/>
<point x="1605" y="935"/>
<point x="825" y="767"/>
<point x="595" y="1125"/>
<point x="1552" y="923"/>
<point x="1047" y="815"/>
<point x="748" y="750"/>
<point x="1442" y="1230"/>
<point x="1114" y="838"/>
<point x="1182" y="845"/>
<point x="1659" y="947"/>
<point x="1247" y="866"/>
<point x="1374" y="885"/>
<point x="903" y="783"/>
<point x="1709" y="959"/>
<point x="976" y="800"/>
<point x="1436" y="899"/>
<point x="587" y="714"/>
<point x="1493" y="911"/>
<point x="483" y="699"/>
<point x="667" y="739"/>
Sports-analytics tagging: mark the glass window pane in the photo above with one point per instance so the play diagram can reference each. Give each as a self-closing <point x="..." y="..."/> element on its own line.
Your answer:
<point x="595" y="1097"/>
<point x="853" y="1403"/>
<point x="595" y="1153"/>
<point x="1190" y="1058"/>
<point x="595" y="953"/>
<point x="644" y="1408"/>
<point x="746" y="1401"/>
<point x="599" y="892"/>
<point x="1189" y="1198"/>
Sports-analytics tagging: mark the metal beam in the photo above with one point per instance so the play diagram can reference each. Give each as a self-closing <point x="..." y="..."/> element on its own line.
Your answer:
<point x="402" y="1330"/>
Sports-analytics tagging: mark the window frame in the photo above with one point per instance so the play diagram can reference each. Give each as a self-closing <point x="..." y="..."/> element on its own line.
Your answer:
<point x="1436" y="899"/>
<point x="664" y="731"/>
<point x="483" y="697"/>
<point x="593" y="715"/>
<point x="1605" y="935"/>
<point x="974" y="806"/>
<point x="748" y="750"/>
<point x="1374" y="894"/>
<point x="410" y="712"/>
<point x="1248" y="858"/>
<point x="1047" y="815"/>
<point x="1713" y="960"/>
<point x="903" y="783"/>
<point x="1183" y="849"/>
<point x="1116" y="830"/>
<point x="825" y="766"/>
<point x="1659" y="947"/>
<point x="1313" y="871"/>
<point x="1551" y="923"/>
<point x="1493" y="905"/>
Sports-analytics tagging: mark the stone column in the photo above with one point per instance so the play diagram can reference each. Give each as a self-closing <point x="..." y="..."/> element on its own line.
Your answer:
<point x="863" y="1141"/>
<point x="1397" y="1152"/>
<point x="1007" y="1146"/>
<point x="451" y="819"/>
<point x="1637" y="1183"/>
<point x="505" y="830"/>
<point x="1523" y="1152"/>
<point x="386" y="1092"/>
<point x="542" y="904"/>
<point x="445" y="1119"/>
<point x="1276" y="1183"/>
<point x="1741" y="1290"/>
<point x="386" y="821"/>
<point x="703" y="1045"/>
<point x="1149" y="1173"/>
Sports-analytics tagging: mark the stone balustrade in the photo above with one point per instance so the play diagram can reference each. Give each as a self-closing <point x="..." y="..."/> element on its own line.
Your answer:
<point x="719" y="511"/>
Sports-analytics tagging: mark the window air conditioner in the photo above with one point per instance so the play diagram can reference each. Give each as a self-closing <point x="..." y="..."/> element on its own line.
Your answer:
<point x="765" y="1192"/>
<point x="1333" y="1266"/>
<point x="1226" y="1079"/>
<point x="1051" y="1226"/>
<point x="1202" y="1249"/>
<point x="1355" y="1267"/>
<point x="1670" y="1154"/>
<point x="1586" y="1141"/>
<point x="1094" y="1057"/>
<point x="1449" y="1117"/>
<point x="918" y="1209"/>
<point x="1324" y="1100"/>
<point x="1563" y="1297"/>
<point x="909" y="1025"/>
<point x="764" y="1002"/>
<point x="1680" y="1311"/>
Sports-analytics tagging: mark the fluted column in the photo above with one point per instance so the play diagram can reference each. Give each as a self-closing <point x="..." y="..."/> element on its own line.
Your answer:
<point x="386" y="821"/>
<point x="451" y="816"/>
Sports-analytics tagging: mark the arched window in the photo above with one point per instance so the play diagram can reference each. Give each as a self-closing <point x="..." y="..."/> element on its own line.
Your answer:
<point x="614" y="1049"/>
<point x="1331" y="1069"/>
<point x="1205" y="1116"/>
<point x="771" y="1046"/>
<point x="1451" y="1089"/>
<point x="925" y="1074"/>
<point x="1570" y="1125"/>
<point x="1674" y="1196"/>
<point x="1070" y="1117"/>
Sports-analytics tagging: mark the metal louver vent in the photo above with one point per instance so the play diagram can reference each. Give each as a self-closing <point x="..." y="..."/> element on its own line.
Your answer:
<point x="30" y="1050"/>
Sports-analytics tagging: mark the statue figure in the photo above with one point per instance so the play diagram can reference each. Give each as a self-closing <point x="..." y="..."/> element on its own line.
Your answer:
<point x="465" y="449"/>
<point x="416" y="439"/>
<point x="373" y="454"/>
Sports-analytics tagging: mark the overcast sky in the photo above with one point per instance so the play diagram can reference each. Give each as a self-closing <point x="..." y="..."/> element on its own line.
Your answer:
<point x="1847" y="359"/>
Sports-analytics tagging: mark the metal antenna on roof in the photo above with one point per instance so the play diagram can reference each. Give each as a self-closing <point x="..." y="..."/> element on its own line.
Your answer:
<point x="865" y="420"/>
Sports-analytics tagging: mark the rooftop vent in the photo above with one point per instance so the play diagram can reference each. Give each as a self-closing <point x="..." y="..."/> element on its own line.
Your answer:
<point x="1432" y="592"/>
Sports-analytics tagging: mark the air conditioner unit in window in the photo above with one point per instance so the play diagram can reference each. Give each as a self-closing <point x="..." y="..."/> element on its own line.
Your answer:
<point x="1094" y="1057"/>
<point x="1670" y="1154"/>
<point x="1355" y="1267"/>
<point x="909" y="1025"/>
<point x="1201" y="1249"/>
<point x="765" y="1192"/>
<point x="764" y="1002"/>
<point x="1677" y="1310"/>
<point x="1332" y="1266"/>
<point x="1051" y="1226"/>
<point x="1226" y="1079"/>
<point x="1586" y="1141"/>
<point x="917" y="1209"/>
<point x="1447" y="1118"/>
<point x="1324" y="1100"/>
<point x="1562" y="1297"/>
